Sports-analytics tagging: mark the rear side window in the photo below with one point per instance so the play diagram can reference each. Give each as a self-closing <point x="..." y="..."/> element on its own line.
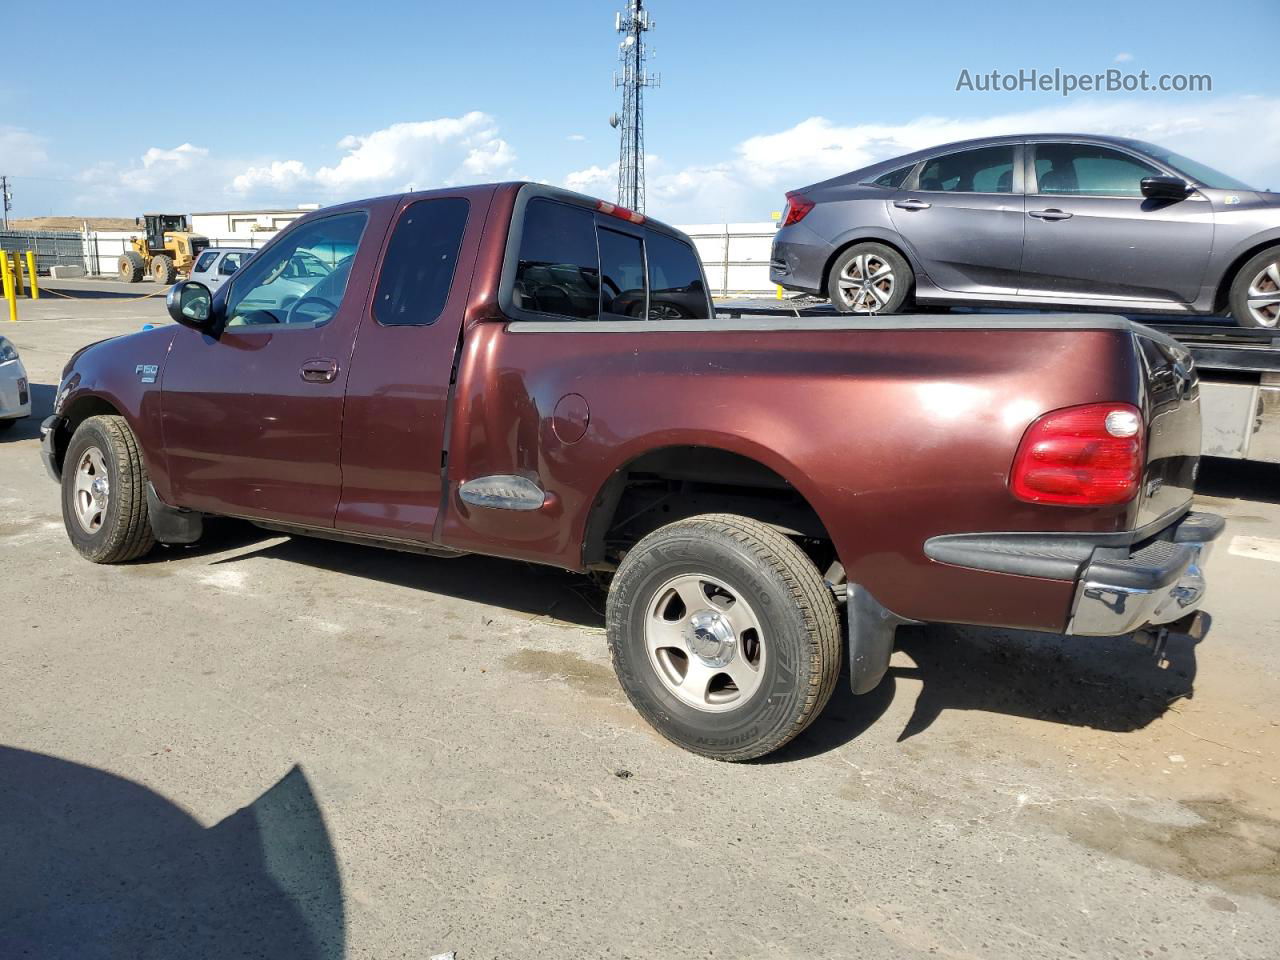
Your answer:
<point x="675" y="280"/>
<point x="986" y="170"/>
<point x="420" y="262"/>
<point x="894" y="179"/>
<point x="205" y="261"/>
<point x="559" y="268"/>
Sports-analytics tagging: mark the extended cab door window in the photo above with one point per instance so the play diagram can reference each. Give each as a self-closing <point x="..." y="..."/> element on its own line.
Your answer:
<point x="421" y="258"/>
<point x="559" y="267"/>
<point x="300" y="280"/>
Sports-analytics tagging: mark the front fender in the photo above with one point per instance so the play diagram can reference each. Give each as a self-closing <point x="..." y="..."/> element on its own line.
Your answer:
<point x="122" y="375"/>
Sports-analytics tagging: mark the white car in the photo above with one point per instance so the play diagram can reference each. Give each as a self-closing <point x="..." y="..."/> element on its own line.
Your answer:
<point x="15" y="390"/>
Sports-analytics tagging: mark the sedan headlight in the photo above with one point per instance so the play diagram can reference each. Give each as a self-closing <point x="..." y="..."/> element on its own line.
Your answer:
<point x="7" y="352"/>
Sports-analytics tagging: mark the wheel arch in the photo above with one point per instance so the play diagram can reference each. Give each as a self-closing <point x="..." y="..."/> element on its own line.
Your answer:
<point x="81" y="407"/>
<point x="873" y="235"/>
<point x="666" y="481"/>
<point x="1222" y="295"/>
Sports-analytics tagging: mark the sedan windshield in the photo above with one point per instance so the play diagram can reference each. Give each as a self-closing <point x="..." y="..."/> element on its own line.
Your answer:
<point x="1197" y="171"/>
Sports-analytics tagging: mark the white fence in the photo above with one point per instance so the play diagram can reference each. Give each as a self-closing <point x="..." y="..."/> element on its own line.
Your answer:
<point x="734" y="255"/>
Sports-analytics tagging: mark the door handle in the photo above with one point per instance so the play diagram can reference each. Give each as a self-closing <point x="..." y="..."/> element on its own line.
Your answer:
<point x="1053" y="213"/>
<point x="319" y="370"/>
<point x="912" y="204"/>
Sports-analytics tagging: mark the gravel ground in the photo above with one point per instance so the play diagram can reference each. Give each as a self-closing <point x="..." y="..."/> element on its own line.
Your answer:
<point x="288" y="748"/>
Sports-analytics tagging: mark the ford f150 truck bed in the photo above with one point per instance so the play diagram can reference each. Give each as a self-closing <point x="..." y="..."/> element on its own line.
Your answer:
<point x="524" y="372"/>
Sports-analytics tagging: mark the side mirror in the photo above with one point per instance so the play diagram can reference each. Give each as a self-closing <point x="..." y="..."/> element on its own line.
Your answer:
<point x="1165" y="188"/>
<point x="191" y="304"/>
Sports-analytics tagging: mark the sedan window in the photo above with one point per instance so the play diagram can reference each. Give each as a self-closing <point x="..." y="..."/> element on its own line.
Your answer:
<point x="1081" y="169"/>
<point x="986" y="170"/>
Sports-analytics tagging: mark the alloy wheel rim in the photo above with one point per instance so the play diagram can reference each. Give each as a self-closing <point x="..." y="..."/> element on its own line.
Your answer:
<point x="1263" y="297"/>
<point x="92" y="491"/>
<point x="705" y="643"/>
<point x="866" y="283"/>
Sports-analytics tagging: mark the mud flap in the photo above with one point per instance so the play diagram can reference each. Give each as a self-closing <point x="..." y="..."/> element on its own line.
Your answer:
<point x="172" y="524"/>
<point x="871" y="632"/>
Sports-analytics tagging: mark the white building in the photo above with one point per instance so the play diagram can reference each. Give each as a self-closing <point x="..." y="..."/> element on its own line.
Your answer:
<point x="226" y="223"/>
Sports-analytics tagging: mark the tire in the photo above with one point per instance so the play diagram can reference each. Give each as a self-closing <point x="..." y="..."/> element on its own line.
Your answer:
<point x="742" y="573"/>
<point x="111" y="524"/>
<point x="888" y="291"/>
<point x="163" y="270"/>
<point x="131" y="266"/>
<point x="1258" y="280"/>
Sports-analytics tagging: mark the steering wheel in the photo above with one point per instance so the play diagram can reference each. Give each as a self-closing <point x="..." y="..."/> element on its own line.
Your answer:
<point x="295" y="308"/>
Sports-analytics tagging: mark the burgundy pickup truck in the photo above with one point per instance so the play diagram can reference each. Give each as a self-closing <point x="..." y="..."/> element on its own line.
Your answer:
<point x="519" y="371"/>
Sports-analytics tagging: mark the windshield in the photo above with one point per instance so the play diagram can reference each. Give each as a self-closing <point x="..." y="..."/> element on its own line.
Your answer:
<point x="1197" y="171"/>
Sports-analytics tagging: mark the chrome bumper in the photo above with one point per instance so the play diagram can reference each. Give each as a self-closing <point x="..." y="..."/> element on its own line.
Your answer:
<point x="1120" y="592"/>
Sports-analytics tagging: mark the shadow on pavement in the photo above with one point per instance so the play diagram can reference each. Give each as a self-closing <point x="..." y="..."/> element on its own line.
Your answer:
<point x="132" y="291"/>
<point x="42" y="395"/>
<point x="1239" y="480"/>
<point x="1107" y="683"/>
<point x="99" y="866"/>
<point x="510" y="584"/>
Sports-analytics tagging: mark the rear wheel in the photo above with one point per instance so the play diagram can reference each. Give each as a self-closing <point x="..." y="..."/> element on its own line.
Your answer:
<point x="723" y="635"/>
<point x="131" y="266"/>
<point x="1255" y="292"/>
<point x="104" y="492"/>
<point x="163" y="270"/>
<point x="869" y="278"/>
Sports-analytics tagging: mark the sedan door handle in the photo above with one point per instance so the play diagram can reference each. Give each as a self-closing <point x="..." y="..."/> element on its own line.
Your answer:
<point x="912" y="204"/>
<point x="1053" y="213"/>
<point x="319" y="370"/>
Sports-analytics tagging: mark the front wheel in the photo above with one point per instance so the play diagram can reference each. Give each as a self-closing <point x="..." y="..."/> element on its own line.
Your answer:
<point x="1255" y="292"/>
<point x="723" y="635"/>
<point x="104" y="492"/>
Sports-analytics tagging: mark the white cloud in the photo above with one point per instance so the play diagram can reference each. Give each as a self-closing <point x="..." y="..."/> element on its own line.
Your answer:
<point x="576" y="138"/>
<point x="1123" y="57"/>
<point x="598" y="181"/>
<point x="437" y="152"/>
<point x="23" y="152"/>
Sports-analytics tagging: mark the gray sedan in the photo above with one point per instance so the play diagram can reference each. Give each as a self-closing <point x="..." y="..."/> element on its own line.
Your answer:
<point x="1039" y="220"/>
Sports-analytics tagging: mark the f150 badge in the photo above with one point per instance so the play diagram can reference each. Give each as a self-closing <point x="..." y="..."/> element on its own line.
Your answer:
<point x="146" y="372"/>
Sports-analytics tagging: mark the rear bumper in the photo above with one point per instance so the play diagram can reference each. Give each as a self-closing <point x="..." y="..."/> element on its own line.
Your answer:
<point x="1159" y="583"/>
<point x="1121" y="585"/>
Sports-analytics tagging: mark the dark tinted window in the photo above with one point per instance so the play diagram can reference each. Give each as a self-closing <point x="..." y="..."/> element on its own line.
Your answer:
<point x="894" y="179"/>
<point x="205" y="261"/>
<point x="675" y="280"/>
<point x="988" y="170"/>
<point x="559" y="267"/>
<point x="1079" y="168"/>
<point x="621" y="274"/>
<point x="421" y="257"/>
<point x="230" y="264"/>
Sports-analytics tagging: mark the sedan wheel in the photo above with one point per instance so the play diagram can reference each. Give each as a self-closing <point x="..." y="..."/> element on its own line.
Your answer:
<point x="866" y="283"/>
<point x="1264" y="296"/>
<point x="869" y="278"/>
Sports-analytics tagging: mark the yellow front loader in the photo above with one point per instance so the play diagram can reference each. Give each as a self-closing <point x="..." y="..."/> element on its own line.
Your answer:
<point x="166" y="248"/>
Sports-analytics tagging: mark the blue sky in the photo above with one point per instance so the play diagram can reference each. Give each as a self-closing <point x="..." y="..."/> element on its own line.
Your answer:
<point x="276" y="103"/>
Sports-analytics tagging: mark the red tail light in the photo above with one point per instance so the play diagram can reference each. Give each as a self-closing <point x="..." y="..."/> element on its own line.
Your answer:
<point x="798" y="207"/>
<point x="1084" y="456"/>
